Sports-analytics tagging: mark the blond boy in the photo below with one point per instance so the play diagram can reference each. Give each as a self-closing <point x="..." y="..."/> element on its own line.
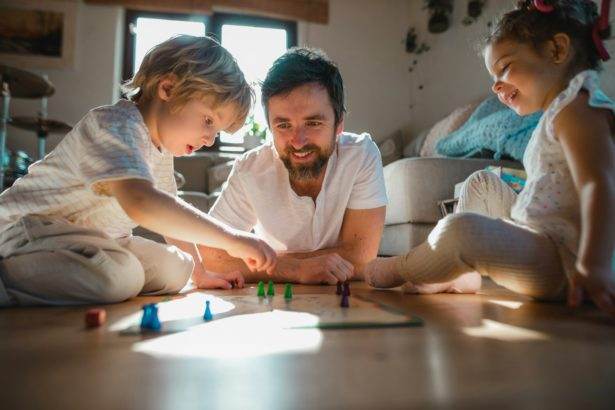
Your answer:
<point x="66" y="227"/>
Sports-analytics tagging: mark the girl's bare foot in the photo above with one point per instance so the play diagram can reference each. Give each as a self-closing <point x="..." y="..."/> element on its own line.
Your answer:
<point x="383" y="273"/>
<point x="466" y="283"/>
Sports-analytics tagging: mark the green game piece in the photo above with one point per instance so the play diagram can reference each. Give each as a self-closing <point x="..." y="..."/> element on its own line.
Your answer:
<point x="261" y="289"/>
<point x="288" y="291"/>
<point x="270" y="289"/>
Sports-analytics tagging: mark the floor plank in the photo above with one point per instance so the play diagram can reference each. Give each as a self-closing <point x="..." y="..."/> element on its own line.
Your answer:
<point x="474" y="351"/>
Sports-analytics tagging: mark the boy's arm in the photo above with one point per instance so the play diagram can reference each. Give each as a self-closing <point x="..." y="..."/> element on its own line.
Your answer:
<point x="172" y="217"/>
<point x="585" y="134"/>
<point x="359" y="240"/>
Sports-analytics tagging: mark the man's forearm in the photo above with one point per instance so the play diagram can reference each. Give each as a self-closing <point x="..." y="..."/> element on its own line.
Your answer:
<point x="353" y="254"/>
<point x="218" y="260"/>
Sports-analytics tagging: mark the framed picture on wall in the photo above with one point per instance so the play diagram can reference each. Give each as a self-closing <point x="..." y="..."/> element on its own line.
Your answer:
<point x="38" y="33"/>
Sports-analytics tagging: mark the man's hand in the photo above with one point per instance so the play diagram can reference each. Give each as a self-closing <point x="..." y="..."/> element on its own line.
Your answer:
<point x="257" y="255"/>
<point x="204" y="279"/>
<point x="599" y="284"/>
<point x="325" y="269"/>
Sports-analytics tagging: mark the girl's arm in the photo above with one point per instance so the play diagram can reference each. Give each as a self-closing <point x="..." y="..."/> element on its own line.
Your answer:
<point x="587" y="139"/>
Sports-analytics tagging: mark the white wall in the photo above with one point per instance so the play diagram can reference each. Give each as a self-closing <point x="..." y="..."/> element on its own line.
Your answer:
<point x="91" y="82"/>
<point x="365" y="37"/>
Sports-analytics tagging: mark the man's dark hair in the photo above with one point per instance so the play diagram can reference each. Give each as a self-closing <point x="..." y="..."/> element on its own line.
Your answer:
<point x="300" y="66"/>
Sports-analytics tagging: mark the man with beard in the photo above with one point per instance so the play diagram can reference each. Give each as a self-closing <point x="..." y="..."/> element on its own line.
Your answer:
<point x="315" y="194"/>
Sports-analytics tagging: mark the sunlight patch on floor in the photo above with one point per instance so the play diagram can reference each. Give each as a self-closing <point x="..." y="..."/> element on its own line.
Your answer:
<point x="239" y="336"/>
<point x="491" y="329"/>
<point x="190" y="307"/>
<point x="510" y="304"/>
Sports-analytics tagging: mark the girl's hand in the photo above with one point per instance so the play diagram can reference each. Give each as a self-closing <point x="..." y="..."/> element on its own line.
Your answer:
<point x="599" y="284"/>
<point x="204" y="279"/>
<point x="257" y="255"/>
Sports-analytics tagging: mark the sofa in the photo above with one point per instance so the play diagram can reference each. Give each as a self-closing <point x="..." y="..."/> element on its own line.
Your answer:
<point x="417" y="182"/>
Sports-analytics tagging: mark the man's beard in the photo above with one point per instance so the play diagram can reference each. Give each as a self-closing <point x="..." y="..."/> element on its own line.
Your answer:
<point x="308" y="171"/>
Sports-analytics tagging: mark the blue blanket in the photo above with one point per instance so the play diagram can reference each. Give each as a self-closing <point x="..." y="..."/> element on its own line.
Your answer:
<point x="494" y="127"/>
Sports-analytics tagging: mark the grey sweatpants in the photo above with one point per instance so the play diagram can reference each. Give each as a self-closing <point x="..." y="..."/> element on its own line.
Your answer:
<point x="47" y="261"/>
<point x="480" y="238"/>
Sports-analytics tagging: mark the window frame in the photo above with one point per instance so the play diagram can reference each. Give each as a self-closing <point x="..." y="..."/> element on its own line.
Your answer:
<point x="213" y="27"/>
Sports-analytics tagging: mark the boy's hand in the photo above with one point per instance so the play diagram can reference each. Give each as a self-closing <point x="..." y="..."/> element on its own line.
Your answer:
<point x="257" y="255"/>
<point x="204" y="279"/>
<point x="599" y="284"/>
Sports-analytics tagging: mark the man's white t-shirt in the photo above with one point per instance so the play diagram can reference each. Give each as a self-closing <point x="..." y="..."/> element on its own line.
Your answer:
<point x="258" y="195"/>
<point x="110" y="142"/>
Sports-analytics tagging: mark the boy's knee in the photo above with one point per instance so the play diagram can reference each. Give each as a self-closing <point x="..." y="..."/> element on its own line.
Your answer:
<point x="175" y="269"/>
<point x="122" y="280"/>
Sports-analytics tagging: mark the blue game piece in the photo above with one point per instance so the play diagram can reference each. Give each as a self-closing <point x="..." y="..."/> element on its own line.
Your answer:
<point x="146" y="318"/>
<point x="207" y="316"/>
<point x="150" y="319"/>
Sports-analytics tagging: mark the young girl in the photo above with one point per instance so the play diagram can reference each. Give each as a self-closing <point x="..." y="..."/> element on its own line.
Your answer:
<point x="66" y="227"/>
<point x="559" y="233"/>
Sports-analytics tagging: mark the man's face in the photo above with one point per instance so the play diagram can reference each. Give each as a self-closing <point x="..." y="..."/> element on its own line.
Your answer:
<point x="304" y="132"/>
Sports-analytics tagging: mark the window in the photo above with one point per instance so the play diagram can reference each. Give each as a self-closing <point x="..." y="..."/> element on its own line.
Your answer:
<point x="254" y="41"/>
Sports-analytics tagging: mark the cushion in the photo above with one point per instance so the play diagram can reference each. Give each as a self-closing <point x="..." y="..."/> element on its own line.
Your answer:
<point x="444" y="127"/>
<point x="391" y="148"/>
<point x="413" y="148"/>
<point x="494" y="128"/>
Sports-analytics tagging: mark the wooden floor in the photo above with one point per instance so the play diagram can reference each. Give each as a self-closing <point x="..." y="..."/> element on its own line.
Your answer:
<point x="493" y="350"/>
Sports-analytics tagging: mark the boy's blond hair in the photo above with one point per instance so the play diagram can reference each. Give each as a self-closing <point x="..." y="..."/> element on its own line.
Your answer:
<point x="201" y="67"/>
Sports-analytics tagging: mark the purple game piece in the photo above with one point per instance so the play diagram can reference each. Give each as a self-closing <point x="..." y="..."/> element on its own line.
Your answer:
<point x="346" y="289"/>
<point x="344" y="303"/>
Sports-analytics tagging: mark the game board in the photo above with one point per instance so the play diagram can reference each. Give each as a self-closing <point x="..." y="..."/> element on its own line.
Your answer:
<point x="303" y="311"/>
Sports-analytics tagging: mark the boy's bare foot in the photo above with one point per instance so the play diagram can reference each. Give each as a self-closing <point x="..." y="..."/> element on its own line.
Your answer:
<point x="383" y="273"/>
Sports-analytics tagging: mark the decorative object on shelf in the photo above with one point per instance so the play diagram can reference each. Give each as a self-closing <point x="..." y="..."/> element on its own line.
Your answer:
<point x="16" y="83"/>
<point x="439" y="15"/>
<point x="475" y="9"/>
<point x="255" y="135"/>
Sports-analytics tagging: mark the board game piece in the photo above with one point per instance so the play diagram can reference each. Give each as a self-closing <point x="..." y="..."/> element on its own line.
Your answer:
<point x="288" y="291"/>
<point x="261" y="289"/>
<point x="95" y="317"/>
<point x="208" y="316"/>
<point x="346" y="290"/>
<point x="270" y="289"/>
<point x="338" y="290"/>
<point x="344" y="302"/>
<point x="150" y="320"/>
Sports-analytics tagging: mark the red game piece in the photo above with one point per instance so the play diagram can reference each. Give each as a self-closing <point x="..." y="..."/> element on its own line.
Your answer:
<point x="338" y="290"/>
<point x="95" y="317"/>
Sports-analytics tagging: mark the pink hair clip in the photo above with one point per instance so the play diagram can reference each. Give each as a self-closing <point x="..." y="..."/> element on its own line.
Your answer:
<point x="543" y="7"/>
<point x="602" y="24"/>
